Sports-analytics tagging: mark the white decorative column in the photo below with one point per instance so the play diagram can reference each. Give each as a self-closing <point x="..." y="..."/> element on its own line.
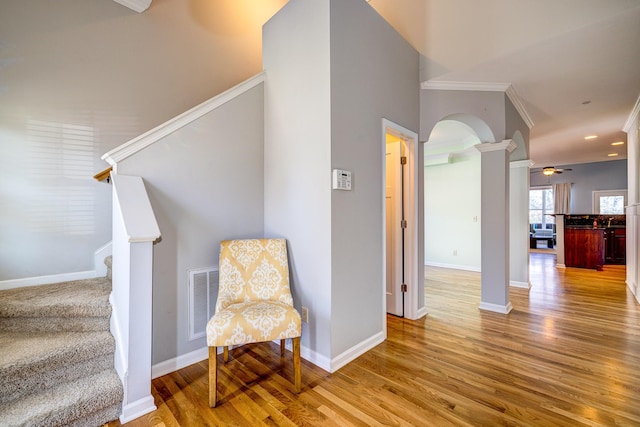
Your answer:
<point x="560" y="241"/>
<point x="495" y="225"/>
<point x="519" y="223"/>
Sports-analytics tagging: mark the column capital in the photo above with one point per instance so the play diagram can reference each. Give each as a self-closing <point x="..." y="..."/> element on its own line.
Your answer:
<point x="521" y="164"/>
<point x="507" y="145"/>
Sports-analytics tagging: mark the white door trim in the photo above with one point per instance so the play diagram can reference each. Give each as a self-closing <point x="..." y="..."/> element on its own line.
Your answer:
<point x="411" y="189"/>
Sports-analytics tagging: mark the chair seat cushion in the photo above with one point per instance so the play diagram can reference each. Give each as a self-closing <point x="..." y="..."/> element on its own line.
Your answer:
<point x="253" y="321"/>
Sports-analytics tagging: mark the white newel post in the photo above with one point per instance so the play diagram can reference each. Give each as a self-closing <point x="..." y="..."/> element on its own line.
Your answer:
<point x="134" y="231"/>
<point x="495" y="225"/>
<point x="519" y="224"/>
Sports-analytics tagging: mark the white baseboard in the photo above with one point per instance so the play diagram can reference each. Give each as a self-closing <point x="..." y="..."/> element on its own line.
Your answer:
<point x="453" y="266"/>
<point x="561" y="266"/>
<point x="421" y="313"/>
<point x="98" y="259"/>
<point x="502" y="309"/>
<point x="100" y="271"/>
<point x="136" y="409"/>
<point x="45" y="280"/>
<point x="321" y="361"/>
<point x="356" y="351"/>
<point x="524" y="285"/>
<point x="176" y="363"/>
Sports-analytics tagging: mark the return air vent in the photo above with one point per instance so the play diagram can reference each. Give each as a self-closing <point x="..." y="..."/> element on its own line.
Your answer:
<point x="203" y="292"/>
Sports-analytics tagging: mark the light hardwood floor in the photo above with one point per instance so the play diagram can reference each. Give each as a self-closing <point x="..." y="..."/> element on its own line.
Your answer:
<point x="568" y="354"/>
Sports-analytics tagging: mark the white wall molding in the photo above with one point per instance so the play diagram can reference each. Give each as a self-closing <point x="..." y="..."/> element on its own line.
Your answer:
<point x="471" y="86"/>
<point x="135" y="5"/>
<point x="137" y="144"/>
<point x="523" y="285"/>
<point x="521" y="164"/>
<point x="507" y="145"/>
<point x="512" y="94"/>
<point x="633" y="116"/>
<point x="357" y="350"/>
<point x="502" y="309"/>
<point x="45" y="280"/>
<point x="177" y="363"/>
<point x="507" y="88"/>
<point x="99" y="257"/>
<point x="453" y="266"/>
<point x="136" y="409"/>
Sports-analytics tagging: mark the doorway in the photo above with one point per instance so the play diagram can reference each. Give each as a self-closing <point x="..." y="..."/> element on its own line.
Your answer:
<point x="408" y="199"/>
<point x="395" y="224"/>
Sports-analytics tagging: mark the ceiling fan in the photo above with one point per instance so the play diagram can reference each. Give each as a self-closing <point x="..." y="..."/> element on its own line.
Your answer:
<point x="550" y="170"/>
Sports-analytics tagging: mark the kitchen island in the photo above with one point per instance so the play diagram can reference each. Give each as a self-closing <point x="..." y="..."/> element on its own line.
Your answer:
<point x="584" y="247"/>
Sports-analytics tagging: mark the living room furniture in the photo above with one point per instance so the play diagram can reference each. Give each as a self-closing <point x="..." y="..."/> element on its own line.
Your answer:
<point x="254" y="303"/>
<point x="542" y="234"/>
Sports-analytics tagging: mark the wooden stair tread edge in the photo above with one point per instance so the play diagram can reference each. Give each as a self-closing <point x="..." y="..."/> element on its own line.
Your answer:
<point x="45" y="350"/>
<point x="65" y="403"/>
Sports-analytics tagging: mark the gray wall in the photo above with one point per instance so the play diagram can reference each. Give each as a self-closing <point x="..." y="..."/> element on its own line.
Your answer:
<point x="205" y="185"/>
<point x="102" y="72"/>
<point x="334" y="70"/>
<point x="435" y="105"/>
<point x="297" y="180"/>
<point x="586" y="178"/>
<point x="374" y="75"/>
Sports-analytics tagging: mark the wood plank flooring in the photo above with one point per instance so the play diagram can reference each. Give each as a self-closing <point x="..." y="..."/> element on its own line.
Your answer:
<point x="568" y="354"/>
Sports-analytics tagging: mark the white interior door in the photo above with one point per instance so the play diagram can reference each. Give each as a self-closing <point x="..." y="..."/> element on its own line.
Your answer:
<point x="393" y="202"/>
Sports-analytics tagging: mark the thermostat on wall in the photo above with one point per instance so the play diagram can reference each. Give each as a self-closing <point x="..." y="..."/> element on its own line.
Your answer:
<point x="341" y="179"/>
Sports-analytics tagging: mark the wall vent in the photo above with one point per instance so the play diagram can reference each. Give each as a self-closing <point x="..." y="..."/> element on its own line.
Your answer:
<point x="203" y="292"/>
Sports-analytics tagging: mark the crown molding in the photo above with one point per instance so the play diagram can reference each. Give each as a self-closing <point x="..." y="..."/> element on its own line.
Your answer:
<point x="136" y="5"/>
<point x="507" y="88"/>
<point x="139" y="143"/>
<point x="635" y="115"/>
<point x="474" y="86"/>
<point x="512" y="94"/>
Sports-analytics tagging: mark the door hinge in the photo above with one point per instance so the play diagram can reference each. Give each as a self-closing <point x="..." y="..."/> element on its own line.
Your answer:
<point x="403" y="160"/>
<point x="403" y="287"/>
<point x="403" y="223"/>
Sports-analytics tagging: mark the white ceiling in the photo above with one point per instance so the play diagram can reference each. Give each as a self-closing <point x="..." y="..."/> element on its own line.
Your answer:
<point x="556" y="54"/>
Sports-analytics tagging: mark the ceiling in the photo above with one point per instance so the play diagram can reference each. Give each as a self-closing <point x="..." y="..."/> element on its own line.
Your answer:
<point x="575" y="64"/>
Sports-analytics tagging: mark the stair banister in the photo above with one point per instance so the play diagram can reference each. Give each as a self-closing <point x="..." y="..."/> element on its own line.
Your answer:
<point x="135" y="229"/>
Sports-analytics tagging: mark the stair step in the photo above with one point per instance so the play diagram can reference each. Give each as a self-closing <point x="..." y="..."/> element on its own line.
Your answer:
<point x="40" y="360"/>
<point x="83" y="298"/>
<point x="91" y="400"/>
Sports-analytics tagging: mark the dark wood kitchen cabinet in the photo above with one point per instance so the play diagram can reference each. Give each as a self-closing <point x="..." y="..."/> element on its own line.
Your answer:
<point x="615" y="246"/>
<point x="584" y="247"/>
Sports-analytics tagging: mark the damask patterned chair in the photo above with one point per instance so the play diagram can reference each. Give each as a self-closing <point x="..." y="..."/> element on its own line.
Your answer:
<point x="254" y="302"/>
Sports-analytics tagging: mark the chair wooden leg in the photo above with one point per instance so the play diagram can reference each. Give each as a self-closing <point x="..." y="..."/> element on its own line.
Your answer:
<point x="282" y="342"/>
<point x="225" y="354"/>
<point x="296" y="364"/>
<point x="213" y="377"/>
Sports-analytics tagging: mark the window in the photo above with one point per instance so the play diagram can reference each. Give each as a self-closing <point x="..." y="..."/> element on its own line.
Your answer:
<point x="541" y="208"/>
<point x="610" y="202"/>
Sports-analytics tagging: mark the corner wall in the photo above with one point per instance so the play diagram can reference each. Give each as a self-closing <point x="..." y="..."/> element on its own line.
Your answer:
<point x="374" y="75"/>
<point x="205" y="184"/>
<point x="297" y="163"/>
<point x="335" y="69"/>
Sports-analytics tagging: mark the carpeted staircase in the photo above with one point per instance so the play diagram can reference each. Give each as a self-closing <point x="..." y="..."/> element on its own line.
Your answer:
<point x="56" y="355"/>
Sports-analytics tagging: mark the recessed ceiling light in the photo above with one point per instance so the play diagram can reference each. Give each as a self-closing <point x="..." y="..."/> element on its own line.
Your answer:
<point x="591" y="137"/>
<point x="618" y="143"/>
<point x="612" y="154"/>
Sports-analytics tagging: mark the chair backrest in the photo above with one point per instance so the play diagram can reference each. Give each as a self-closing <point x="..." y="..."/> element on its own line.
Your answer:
<point x="254" y="269"/>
